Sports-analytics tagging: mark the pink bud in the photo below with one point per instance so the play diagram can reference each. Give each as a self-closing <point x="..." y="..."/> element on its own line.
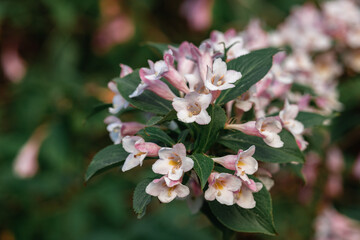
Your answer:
<point x="125" y="70"/>
<point x="247" y="128"/>
<point x="26" y="162"/>
<point x="157" y="86"/>
<point x="152" y="149"/>
<point x="130" y="128"/>
<point x="173" y="76"/>
<point x="228" y="161"/>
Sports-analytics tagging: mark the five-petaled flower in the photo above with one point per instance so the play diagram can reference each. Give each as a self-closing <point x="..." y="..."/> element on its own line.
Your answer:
<point x="219" y="78"/>
<point x="138" y="150"/>
<point x="222" y="187"/>
<point x="173" y="162"/>
<point x="167" y="190"/>
<point x="193" y="107"/>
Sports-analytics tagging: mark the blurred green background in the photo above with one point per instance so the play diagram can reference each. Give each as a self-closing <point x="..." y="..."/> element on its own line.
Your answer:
<point x="69" y="53"/>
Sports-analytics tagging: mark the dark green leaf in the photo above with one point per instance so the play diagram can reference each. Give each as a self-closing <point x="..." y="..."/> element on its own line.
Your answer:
<point x="106" y="158"/>
<point x="203" y="165"/>
<point x="161" y="119"/>
<point x="290" y="152"/>
<point x="311" y="119"/>
<point x="140" y="198"/>
<point x="256" y="220"/>
<point x="253" y="67"/>
<point x="207" y="134"/>
<point x="147" y="101"/>
<point x="154" y="134"/>
<point x="98" y="109"/>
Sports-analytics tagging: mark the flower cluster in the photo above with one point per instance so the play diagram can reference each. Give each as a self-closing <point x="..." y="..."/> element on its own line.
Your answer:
<point x="195" y="80"/>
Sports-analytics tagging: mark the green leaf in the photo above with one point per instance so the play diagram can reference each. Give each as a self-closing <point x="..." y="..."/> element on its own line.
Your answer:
<point x="105" y="159"/>
<point x="207" y="134"/>
<point x="290" y="152"/>
<point x="310" y="119"/>
<point x="140" y="198"/>
<point x="147" y="101"/>
<point x="161" y="119"/>
<point x="203" y="165"/>
<point x="256" y="220"/>
<point x="154" y="134"/>
<point x="98" y="109"/>
<point x="253" y="67"/>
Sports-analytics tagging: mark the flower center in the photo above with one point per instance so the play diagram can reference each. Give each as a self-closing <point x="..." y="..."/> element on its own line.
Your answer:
<point x="194" y="109"/>
<point x="219" y="184"/>
<point x="218" y="81"/>
<point x="139" y="154"/>
<point x="175" y="160"/>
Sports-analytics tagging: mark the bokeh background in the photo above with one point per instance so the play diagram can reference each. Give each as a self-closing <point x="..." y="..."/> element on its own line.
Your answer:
<point x="56" y="60"/>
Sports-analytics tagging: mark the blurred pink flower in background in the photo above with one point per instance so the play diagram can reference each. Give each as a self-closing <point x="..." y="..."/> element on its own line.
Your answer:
<point x="26" y="162"/>
<point x="198" y="13"/>
<point x="335" y="165"/>
<point x="116" y="27"/>
<point x="13" y="65"/>
<point x="356" y="168"/>
<point x="331" y="225"/>
<point x="310" y="171"/>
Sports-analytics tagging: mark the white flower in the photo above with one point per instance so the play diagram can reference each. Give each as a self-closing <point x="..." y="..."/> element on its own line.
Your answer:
<point x="219" y="78"/>
<point x="244" y="197"/>
<point x="246" y="164"/>
<point x="139" y="90"/>
<point x="222" y="187"/>
<point x="269" y="129"/>
<point x="193" y="107"/>
<point x="114" y="128"/>
<point x="135" y="157"/>
<point x="288" y="115"/>
<point x="156" y="70"/>
<point x="118" y="101"/>
<point x="167" y="190"/>
<point x="173" y="162"/>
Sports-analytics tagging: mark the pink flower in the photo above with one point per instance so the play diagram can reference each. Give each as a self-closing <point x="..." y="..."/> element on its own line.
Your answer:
<point x="244" y="197"/>
<point x="117" y="129"/>
<point x="173" y="162"/>
<point x="197" y="13"/>
<point x="193" y="107"/>
<point x="243" y="163"/>
<point x="167" y="190"/>
<point x="288" y="115"/>
<point x="222" y="187"/>
<point x="138" y="150"/>
<point x="266" y="128"/>
<point x="26" y="162"/>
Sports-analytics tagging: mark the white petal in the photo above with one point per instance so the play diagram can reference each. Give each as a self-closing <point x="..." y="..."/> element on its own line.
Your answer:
<point x="204" y="100"/>
<point x="219" y="67"/>
<point x="273" y="140"/>
<point x="154" y="189"/>
<point x="203" y="118"/>
<point x="139" y="90"/>
<point x="130" y="162"/>
<point x="246" y="199"/>
<point x="162" y="167"/>
<point x="182" y="191"/>
<point x="183" y="116"/>
<point x="160" y="67"/>
<point x="187" y="164"/>
<point x="129" y="143"/>
<point x="249" y="165"/>
<point x="175" y="174"/>
<point x="232" y="76"/>
<point x="179" y="104"/>
<point x="167" y="195"/>
<point x="179" y="149"/>
<point x="165" y="152"/>
<point x="294" y="126"/>
<point x="232" y="183"/>
<point x="226" y="197"/>
<point x="210" y="193"/>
